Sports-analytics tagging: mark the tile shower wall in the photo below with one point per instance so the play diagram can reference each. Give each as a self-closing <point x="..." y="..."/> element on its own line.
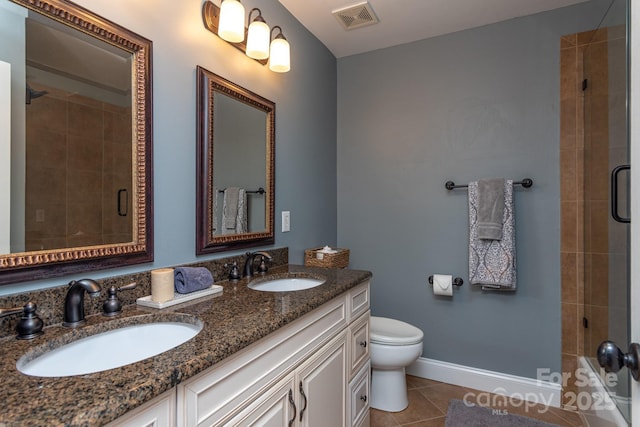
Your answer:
<point x="79" y="156"/>
<point x="584" y="197"/>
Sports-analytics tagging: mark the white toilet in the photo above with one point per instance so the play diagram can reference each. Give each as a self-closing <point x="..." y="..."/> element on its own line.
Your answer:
<point x="394" y="346"/>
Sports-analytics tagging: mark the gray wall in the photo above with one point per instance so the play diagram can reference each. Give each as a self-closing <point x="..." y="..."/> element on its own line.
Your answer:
<point x="305" y="125"/>
<point x="474" y="104"/>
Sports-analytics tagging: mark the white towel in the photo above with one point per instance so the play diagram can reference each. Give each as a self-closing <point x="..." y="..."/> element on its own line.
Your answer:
<point x="492" y="263"/>
<point x="234" y="211"/>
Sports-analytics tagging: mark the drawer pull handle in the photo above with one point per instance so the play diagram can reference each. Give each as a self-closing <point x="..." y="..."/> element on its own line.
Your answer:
<point x="305" y="401"/>
<point x="363" y="344"/>
<point x="363" y="398"/>
<point x="292" y="420"/>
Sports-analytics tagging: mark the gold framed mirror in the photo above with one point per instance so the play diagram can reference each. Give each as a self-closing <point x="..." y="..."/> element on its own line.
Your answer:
<point x="235" y="166"/>
<point x="78" y="194"/>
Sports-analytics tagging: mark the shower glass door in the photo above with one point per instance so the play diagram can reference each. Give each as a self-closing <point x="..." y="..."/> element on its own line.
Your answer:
<point x="606" y="240"/>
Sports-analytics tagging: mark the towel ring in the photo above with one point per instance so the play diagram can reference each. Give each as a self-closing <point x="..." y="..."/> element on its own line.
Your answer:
<point x="456" y="282"/>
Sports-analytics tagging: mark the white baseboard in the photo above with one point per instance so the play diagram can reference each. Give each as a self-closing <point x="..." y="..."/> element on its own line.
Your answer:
<point x="523" y="388"/>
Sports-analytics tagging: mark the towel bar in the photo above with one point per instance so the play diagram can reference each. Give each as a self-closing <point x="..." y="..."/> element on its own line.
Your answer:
<point x="456" y="282"/>
<point x="526" y="183"/>
<point x="258" y="191"/>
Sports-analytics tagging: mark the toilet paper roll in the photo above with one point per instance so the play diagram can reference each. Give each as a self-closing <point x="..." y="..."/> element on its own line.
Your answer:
<point x="443" y="284"/>
<point x="162" y="287"/>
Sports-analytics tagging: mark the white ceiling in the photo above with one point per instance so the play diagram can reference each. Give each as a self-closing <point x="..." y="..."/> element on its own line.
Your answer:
<point x="404" y="21"/>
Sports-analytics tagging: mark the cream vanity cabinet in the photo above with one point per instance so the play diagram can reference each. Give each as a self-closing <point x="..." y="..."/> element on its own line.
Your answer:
<point x="312" y="372"/>
<point x="159" y="412"/>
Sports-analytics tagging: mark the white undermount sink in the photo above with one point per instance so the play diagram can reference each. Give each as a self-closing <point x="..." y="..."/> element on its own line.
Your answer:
<point x="108" y="350"/>
<point x="287" y="284"/>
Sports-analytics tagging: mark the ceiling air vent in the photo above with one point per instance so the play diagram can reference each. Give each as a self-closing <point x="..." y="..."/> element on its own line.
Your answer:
<point x="356" y="16"/>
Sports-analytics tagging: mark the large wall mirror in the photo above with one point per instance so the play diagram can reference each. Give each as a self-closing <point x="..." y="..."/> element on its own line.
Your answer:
<point x="75" y="142"/>
<point x="235" y="169"/>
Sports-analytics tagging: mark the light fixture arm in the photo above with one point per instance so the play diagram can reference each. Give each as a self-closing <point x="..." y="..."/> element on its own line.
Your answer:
<point x="211" y="18"/>
<point x="279" y="35"/>
<point x="258" y="18"/>
<point x="278" y="44"/>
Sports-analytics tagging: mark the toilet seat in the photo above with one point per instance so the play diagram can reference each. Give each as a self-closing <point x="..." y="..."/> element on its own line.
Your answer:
<point x="393" y="332"/>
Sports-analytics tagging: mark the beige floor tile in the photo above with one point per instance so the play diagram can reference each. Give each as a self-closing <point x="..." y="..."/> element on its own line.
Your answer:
<point x="420" y="408"/>
<point x="429" y="402"/>
<point x="435" y="422"/>
<point x="441" y="394"/>
<point x="417" y="382"/>
<point x="382" y="419"/>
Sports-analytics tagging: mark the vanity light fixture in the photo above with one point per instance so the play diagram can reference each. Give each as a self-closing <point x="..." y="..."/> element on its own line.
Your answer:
<point x="274" y="50"/>
<point x="231" y="24"/>
<point x="257" y="37"/>
<point x="279" y="61"/>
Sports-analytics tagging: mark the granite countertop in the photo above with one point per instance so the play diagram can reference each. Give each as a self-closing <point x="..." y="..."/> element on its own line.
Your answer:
<point x="232" y="320"/>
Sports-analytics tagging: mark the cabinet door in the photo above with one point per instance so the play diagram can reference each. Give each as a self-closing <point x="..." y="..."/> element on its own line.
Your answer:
<point x="274" y="409"/>
<point x="159" y="412"/>
<point x="322" y="386"/>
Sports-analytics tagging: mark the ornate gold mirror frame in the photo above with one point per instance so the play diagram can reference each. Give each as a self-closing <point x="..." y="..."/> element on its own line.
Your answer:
<point x="33" y="265"/>
<point x="209" y="86"/>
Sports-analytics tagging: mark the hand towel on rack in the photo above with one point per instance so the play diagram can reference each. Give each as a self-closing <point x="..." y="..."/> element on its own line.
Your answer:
<point x="490" y="208"/>
<point x="492" y="263"/>
<point x="234" y="211"/>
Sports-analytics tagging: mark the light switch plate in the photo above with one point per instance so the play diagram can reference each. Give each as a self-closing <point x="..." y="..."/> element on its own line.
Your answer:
<point x="286" y="221"/>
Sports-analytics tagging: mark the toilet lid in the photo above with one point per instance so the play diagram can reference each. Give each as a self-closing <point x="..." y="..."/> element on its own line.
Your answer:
<point x="393" y="332"/>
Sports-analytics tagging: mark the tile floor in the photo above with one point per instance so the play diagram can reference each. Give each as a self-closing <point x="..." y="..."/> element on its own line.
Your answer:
<point x="428" y="402"/>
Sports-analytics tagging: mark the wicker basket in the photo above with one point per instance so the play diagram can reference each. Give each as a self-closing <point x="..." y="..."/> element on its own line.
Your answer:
<point x="337" y="260"/>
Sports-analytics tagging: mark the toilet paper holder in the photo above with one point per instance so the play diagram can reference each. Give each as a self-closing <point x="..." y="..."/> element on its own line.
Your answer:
<point x="456" y="282"/>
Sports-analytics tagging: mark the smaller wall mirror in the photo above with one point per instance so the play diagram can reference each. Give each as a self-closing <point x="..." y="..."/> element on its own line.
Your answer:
<point x="235" y="170"/>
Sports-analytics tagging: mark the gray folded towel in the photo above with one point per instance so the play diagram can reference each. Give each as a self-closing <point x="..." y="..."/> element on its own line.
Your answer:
<point x="492" y="263"/>
<point x="490" y="208"/>
<point x="191" y="279"/>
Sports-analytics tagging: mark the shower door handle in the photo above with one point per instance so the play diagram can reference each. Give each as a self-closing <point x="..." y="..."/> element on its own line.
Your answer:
<point x="614" y="193"/>
<point x="612" y="359"/>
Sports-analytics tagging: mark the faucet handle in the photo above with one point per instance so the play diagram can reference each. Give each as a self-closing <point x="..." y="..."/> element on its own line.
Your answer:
<point x="128" y="287"/>
<point x="262" y="268"/>
<point x="112" y="305"/>
<point x="9" y="311"/>
<point x="234" y="273"/>
<point x="30" y="326"/>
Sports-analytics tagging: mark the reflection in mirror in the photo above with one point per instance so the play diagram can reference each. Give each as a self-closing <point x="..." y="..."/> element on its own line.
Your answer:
<point x="236" y="139"/>
<point x="79" y="188"/>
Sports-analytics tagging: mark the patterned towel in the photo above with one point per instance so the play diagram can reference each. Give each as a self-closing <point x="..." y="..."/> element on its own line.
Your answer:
<point x="492" y="263"/>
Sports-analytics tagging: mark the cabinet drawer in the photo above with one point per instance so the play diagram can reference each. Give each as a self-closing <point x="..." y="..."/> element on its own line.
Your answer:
<point x="359" y="396"/>
<point x="359" y="343"/>
<point x="358" y="300"/>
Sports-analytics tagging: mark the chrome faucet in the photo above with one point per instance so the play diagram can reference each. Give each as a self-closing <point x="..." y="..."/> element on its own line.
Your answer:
<point x="74" y="301"/>
<point x="248" y="264"/>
